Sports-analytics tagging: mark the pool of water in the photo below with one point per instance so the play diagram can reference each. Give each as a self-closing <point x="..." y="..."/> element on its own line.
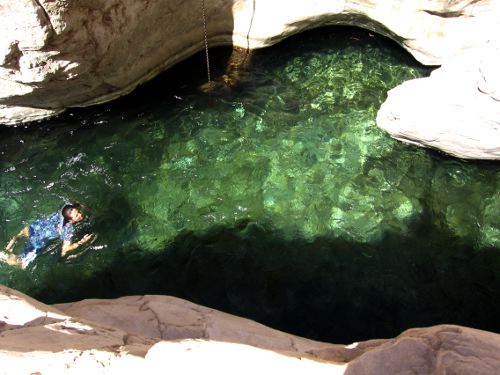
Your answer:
<point x="277" y="199"/>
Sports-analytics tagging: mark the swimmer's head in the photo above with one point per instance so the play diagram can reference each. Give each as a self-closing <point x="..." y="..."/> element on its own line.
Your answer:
<point x="71" y="214"/>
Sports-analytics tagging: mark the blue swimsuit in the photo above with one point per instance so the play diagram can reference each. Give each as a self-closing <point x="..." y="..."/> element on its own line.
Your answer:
<point x="43" y="230"/>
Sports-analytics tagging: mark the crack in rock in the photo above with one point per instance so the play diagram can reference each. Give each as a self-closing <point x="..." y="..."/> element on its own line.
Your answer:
<point x="159" y="325"/>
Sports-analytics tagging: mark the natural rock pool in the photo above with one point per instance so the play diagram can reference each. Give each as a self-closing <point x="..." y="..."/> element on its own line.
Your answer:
<point x="278" y="200"/>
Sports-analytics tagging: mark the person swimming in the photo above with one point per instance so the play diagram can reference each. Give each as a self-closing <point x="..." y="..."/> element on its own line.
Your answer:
<point x="41" y="231"/>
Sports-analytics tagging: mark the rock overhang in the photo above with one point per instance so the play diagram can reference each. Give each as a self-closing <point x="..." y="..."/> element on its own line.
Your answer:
<point x="63" y="54"/>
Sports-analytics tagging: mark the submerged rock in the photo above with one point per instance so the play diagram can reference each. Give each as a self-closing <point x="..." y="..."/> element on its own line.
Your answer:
<point x="489" y="232"/>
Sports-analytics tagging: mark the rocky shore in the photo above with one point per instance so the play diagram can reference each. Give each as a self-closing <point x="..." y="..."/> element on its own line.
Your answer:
<point x="60" y="54"/>
<point x="154" y="333"/>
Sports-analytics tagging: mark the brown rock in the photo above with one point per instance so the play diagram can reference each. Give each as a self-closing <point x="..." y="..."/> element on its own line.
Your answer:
<point x="156" y="334"/>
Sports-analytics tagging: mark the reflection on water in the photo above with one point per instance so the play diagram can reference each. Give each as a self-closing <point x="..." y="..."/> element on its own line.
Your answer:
<point x="278" y="199"/>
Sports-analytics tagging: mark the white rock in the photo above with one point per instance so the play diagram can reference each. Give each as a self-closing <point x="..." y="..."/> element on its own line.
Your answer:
<point x="69" y="53"/>
<point x="454" y="110"/>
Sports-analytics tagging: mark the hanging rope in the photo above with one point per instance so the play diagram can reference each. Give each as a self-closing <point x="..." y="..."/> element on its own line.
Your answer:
<point x="206" y="43"/>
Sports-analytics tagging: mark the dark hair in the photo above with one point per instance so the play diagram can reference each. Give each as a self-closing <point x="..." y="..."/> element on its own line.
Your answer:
<point x="66" y="210"/>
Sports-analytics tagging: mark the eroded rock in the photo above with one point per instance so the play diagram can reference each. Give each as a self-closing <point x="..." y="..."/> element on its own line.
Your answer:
<point x="60" y="54"/>
<point x="153" y="333"/>
<point x="456" y="109"/>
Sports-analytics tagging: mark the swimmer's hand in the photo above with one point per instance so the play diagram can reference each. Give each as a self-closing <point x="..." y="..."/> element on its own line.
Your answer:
<point x="68" y="246"/>
<point x="86" y="238"/>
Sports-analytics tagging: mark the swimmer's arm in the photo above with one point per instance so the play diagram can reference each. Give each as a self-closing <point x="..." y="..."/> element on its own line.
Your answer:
<point x="68" y="246"/>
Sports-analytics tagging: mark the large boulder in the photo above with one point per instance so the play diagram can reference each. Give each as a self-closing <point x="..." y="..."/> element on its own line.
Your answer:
<point x="148" y="334"/>
<point x="56" y="54"/>
<point x="455" y="110"/>
<point x="158" y="334"/>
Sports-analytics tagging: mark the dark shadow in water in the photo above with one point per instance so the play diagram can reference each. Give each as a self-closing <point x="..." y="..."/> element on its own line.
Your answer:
<point x="326" y="289"/>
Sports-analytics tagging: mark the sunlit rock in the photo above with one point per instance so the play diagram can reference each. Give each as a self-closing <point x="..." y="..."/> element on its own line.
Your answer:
<point x="455" y="110"/>
<point x="152" y="333"/>
<point x="120" y="336"/>
<point x="434" y="350"/>
<point x="60" y="54"/>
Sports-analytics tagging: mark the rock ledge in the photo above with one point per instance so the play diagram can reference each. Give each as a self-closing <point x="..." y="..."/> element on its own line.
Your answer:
<point x="68" y="53"/>
<point x="154" y="333"/>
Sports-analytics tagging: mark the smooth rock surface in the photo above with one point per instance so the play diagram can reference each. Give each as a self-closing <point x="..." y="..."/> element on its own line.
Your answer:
<point x="455" y="110"/>
<point x="443" y="349"/>
<point x="125" y="336"/>
<point x="68" y="53"/>
<point x="153" y="334"/>
<point x="170" y="318"/>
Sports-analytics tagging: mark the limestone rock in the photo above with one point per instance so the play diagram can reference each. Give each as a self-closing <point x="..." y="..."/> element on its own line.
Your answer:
<point x="456" y="109"/>
<point x="57" y="54"/>
<point x="215" y="357"/>
<point x="68" y="53"/>
<point x="35" y="338"/>
<point x="435" y="350"/>
<point x="171" y="318"/>
<point x="153" y="334"/>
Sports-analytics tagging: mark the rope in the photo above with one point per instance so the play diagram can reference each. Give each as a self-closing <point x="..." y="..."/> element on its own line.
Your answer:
<point x="206" y="42"/>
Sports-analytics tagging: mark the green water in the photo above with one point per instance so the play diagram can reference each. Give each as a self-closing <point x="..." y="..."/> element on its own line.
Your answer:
<point x="278" y="199"/>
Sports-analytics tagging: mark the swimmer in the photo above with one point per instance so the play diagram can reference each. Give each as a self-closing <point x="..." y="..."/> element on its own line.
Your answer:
<point x="41" y="231"/>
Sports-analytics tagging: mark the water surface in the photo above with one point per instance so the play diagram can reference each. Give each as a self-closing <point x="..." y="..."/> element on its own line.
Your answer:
<point x="278" y="199"/>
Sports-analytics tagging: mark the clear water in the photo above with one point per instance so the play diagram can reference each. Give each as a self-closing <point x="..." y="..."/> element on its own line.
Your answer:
<point x="278" y="199"/>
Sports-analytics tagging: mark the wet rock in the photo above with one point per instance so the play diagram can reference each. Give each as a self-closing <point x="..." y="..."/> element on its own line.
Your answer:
<point x="489" y="232"/>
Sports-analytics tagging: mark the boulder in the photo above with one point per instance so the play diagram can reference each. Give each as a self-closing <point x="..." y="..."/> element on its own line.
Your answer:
<point x="156" y="334"/>
<point x="455" y="110"/>
<point x="443" y="349"/>
<point x="171" y="318"/>
<point x="147" y="333"/>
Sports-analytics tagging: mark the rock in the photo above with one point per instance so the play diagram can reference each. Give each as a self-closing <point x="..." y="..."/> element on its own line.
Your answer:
<point x="215" y="357"/>
<point x="153" y="334"/>
<point x="36" y="338"/>
<point x="60" y="54"/>
<point x="170" y="318"/>
<point x="441" y="349"/>
<point x="19" y="310"/>
<point x="455" y="110"/>
<point x="121" y="336"/>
